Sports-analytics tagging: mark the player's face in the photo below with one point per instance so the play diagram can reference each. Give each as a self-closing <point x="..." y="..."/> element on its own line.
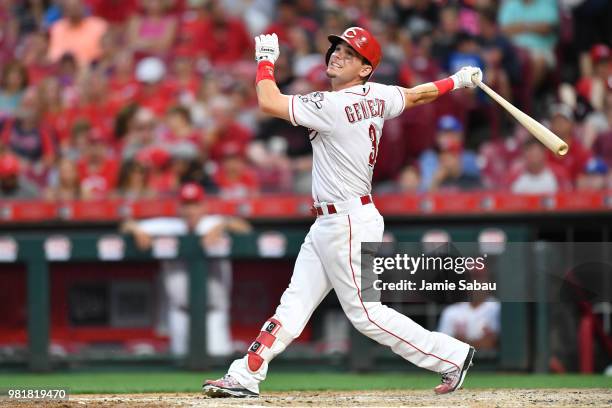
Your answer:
<point x="346" y="64"/>
<point x="191" y="213"/>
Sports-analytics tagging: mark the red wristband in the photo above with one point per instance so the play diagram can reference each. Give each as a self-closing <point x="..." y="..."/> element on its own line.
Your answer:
<point x="265" y="70"/>
<point x="444" y="85"/>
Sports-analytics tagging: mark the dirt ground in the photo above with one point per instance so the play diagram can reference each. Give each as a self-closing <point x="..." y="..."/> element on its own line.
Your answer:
<point x="598" y="397"/>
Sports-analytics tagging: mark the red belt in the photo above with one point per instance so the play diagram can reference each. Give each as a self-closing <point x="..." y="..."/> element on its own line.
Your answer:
<point x="331" y="209"/>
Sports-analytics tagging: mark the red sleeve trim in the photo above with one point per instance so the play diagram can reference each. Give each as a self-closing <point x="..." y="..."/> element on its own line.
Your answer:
<point x="292" y="112"/>
<point x="403" y="98"/>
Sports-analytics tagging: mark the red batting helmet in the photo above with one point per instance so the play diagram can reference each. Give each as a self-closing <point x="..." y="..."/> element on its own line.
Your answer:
<point x="361" y="40"/>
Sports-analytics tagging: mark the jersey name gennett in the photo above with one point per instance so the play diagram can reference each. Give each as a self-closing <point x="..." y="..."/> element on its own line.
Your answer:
<point x="365" y="109"/>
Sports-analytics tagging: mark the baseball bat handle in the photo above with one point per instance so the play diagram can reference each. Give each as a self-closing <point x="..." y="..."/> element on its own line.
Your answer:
<point x="539" y="131"/>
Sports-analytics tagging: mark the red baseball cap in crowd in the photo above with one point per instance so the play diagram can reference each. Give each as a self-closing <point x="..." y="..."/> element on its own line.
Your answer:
<point x="600" y="52"/>
<point x="9" y="165"/>
<point x="191" y="193"/>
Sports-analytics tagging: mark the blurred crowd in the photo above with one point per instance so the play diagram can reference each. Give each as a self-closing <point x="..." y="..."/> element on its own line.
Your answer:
<point x="133" y="98"/>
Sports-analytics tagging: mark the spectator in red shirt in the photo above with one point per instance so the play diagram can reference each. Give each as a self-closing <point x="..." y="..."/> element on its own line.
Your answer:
<point x="50" y="105"/>
<point x="562" y="124"/>
<point x="10" y="32"/>
<point x="225" y="130"/>
<point x="114" y="11"/>
<point x="185" y="81"/>
<point x="97" y="169"/>
<point x="226" y="39"/>
<point x="154" y="31"/>
<point x="192" y="25"/>
<point x="123" y="86"/>
<point x="154" y="93"/>
<point x="496" y="156"/>
<point x="162" y="180"/>
<point x="95" y="104"/>
<point x="421" y="66"/>
<point x="235" y="179"/>
<point x="35" y="57"/>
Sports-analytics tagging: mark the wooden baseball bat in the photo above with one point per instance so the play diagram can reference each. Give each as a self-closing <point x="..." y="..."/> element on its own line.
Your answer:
<point x="543" y="134"/>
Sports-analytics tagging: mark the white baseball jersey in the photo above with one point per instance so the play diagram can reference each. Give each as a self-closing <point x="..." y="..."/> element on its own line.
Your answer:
<point x="345" y="128"/>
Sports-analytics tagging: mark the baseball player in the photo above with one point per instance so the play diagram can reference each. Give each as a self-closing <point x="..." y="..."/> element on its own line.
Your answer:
<point x="345" y="126"/>
<point x="213" y="232"/>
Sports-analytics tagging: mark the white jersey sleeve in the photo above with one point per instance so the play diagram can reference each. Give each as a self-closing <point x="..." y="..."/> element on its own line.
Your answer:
<point x="163" y="226"/>
<point x="315" y="111"/>
<point x="394" y="96"/>
<point x="207" y="223"/>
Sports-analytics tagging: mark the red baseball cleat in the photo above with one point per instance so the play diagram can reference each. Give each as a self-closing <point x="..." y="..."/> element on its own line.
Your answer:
<point x="226" y="387"/>
<point x="452" y="381"/>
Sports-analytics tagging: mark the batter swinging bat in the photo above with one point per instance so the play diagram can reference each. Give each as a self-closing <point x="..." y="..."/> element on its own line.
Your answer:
<point x="543" y="134"/>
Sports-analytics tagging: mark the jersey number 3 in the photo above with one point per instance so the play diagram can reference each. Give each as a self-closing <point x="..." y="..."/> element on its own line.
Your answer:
<point x="374" y="140"/>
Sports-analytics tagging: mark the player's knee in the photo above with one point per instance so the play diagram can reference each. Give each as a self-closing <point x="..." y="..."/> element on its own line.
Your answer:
<point x="360" y="322"/>
<point x="361" y="318"/>
<point x="272" y="340"/>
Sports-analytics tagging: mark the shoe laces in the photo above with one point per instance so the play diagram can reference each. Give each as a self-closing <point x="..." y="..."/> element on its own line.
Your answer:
<point x="229" y="379"/>
<point x="448" y="378"/>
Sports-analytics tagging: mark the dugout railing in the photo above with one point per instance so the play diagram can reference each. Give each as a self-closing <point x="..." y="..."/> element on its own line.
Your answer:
<point x="37" y="251"/>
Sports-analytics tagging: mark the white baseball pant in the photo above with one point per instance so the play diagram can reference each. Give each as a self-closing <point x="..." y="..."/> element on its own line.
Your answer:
<point x="330" y="257"/>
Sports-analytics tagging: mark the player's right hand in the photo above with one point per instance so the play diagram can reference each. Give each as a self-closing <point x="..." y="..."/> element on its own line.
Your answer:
<point x="266" y="48"/>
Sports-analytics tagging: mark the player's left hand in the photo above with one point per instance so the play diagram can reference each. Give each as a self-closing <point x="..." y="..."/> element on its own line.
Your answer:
<point x="467" y="77"/>
<point x="266" y="48"/>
